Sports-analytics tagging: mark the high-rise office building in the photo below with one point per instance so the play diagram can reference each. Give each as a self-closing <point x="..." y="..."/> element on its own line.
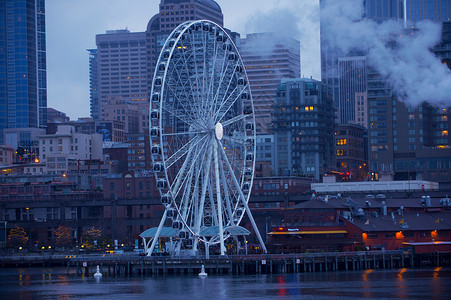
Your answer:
<point x="268" y="58"/>
<point x="172" y="13"/>
<point x="352" y="90"/>
<point x="94" y="85"/>
<point x="416" y="10"/>
<point x="379" y="11"/>
<point x="23" y="87"/>
<point x="409" y="142"/>
<point x="121" y="68"/>
<point x="125" y="61"/>
<point x="404" y="142"/>
<point x="303" y="128"/>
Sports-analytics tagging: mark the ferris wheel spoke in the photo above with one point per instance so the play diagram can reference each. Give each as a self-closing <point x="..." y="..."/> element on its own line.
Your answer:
<point x="183" y="133"/>
<point x="226" y="95"/>
<point x="181" y="175"/>
<point x="197" y="85"/>
<point x="183" y="150"/>
<point x="189" y="117"/>
<point x="192" y="89"/>
<point x="213" y="75"/>
<point x="222" y="110"/>
<point x="181" y="82"/>
<point x="186" y="197"/>
<point x="223" y="73"/>
<point x="228" y="103"/>
<point x="233" y="120"/>
<point x="234" y="140"/>
<point x="176" y="113"/>
<point x="197" y="152"/>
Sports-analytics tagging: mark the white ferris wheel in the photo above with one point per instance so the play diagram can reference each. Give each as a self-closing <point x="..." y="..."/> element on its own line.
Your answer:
<point x="202" y="130"/>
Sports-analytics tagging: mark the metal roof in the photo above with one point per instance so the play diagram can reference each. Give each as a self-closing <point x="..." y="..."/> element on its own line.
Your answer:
<point x="233" y="230"/>
<point x="309" y="232"/>
<point x="208" y="231"/>
<point x="165" y="232"/>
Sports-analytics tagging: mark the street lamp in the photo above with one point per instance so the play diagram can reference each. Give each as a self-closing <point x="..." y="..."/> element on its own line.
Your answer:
<point x="266" y="223"/>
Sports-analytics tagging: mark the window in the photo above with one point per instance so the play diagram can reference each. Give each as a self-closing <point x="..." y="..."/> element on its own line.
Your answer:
<point x="341" y="142"/>
<point x="372" y="235"/>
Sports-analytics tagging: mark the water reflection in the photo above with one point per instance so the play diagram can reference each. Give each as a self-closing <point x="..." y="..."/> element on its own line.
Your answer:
<point x="401" y="271"/>
<point x="281" y="286"/>
<point x="372" y="284"/>
<point x="436" y="272"/>
<point x="365" y="274"/>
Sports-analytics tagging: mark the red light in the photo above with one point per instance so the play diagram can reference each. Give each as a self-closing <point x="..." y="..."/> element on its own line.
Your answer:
<point x="341" y="173"/>
<point x="347" y="173"/>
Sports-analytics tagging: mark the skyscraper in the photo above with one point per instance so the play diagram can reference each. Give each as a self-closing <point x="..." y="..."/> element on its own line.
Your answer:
<point x="379" y="11"/>
<point x="268" y="58"/>
<point x="409" y="142"/>
<point x="172" y="13"/>
<point x="94" y="85"/>
<point x="23" y="89"/>
<point x="416" y="10"/>
<point x="121" y="68"/>
<point x="303" y="128"/>
<point x="352" y="90"/>
<point x="125" y="60"/>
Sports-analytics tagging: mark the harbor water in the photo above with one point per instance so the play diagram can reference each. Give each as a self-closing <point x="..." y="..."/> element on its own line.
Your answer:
<point x="56" y="283"/>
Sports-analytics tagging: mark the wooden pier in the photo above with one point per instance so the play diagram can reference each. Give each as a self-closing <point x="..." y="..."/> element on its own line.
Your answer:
<point x="257" y="264"/>
<point x="132" y="264"/>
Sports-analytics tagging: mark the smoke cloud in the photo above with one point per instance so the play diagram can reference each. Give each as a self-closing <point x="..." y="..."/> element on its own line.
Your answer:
<point x="403" y="56"/>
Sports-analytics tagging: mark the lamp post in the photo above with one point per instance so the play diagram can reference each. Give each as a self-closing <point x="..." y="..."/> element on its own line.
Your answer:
<point x="266" y="226"/>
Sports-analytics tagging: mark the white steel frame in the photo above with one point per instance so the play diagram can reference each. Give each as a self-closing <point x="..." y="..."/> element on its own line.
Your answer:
<point x="202" y="129"/>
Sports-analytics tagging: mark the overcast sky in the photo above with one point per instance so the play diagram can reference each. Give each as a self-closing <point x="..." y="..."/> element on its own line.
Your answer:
<point x="71" y="28"/>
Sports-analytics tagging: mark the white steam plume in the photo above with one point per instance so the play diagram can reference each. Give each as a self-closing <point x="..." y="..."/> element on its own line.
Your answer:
<point x="415" y="73"/>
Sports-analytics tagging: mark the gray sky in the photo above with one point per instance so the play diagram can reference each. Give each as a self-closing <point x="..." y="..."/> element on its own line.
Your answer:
<point x="71" y="28"/>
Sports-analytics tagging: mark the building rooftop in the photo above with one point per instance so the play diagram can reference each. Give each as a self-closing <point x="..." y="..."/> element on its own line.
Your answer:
<point x="407" y="221"/>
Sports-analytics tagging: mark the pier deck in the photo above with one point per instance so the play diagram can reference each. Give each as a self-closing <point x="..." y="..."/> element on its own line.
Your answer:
<point x="124" y="264"/>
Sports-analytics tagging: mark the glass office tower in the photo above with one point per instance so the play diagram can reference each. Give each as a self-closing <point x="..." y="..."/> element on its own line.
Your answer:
<point x="23" y="90"/>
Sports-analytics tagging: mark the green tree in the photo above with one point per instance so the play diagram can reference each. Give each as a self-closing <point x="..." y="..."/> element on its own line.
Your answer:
<point x="63" y="236"/>
<point x="17" y="237"/>
<point x="92" y="234"/>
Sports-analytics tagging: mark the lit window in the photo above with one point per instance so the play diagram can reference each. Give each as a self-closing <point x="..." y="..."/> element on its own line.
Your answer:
<point x="444" y="132"/>
<point x="341" y="142"/>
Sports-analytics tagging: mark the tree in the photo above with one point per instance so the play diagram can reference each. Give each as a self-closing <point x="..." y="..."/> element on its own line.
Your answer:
<point x="17" y="237"/>
<point x="91" y="237"/>
<point x="63" y="236"/>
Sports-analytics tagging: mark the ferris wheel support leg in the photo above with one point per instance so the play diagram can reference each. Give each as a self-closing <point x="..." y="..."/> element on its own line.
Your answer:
<point x="202" y="198"/>
<point x="219" y="200"/>
<point x="157" y="234"/>
<point x="207" y="250"/>
<point x="243" y="200"/>
<point x="245" y="245"/>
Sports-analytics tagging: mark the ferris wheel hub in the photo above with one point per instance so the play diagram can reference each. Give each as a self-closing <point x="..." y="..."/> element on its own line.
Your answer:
<point x="219" y="131"/>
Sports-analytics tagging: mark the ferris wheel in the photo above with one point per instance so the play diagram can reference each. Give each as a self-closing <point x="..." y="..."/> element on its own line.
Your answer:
<point x="202" y="131"/>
